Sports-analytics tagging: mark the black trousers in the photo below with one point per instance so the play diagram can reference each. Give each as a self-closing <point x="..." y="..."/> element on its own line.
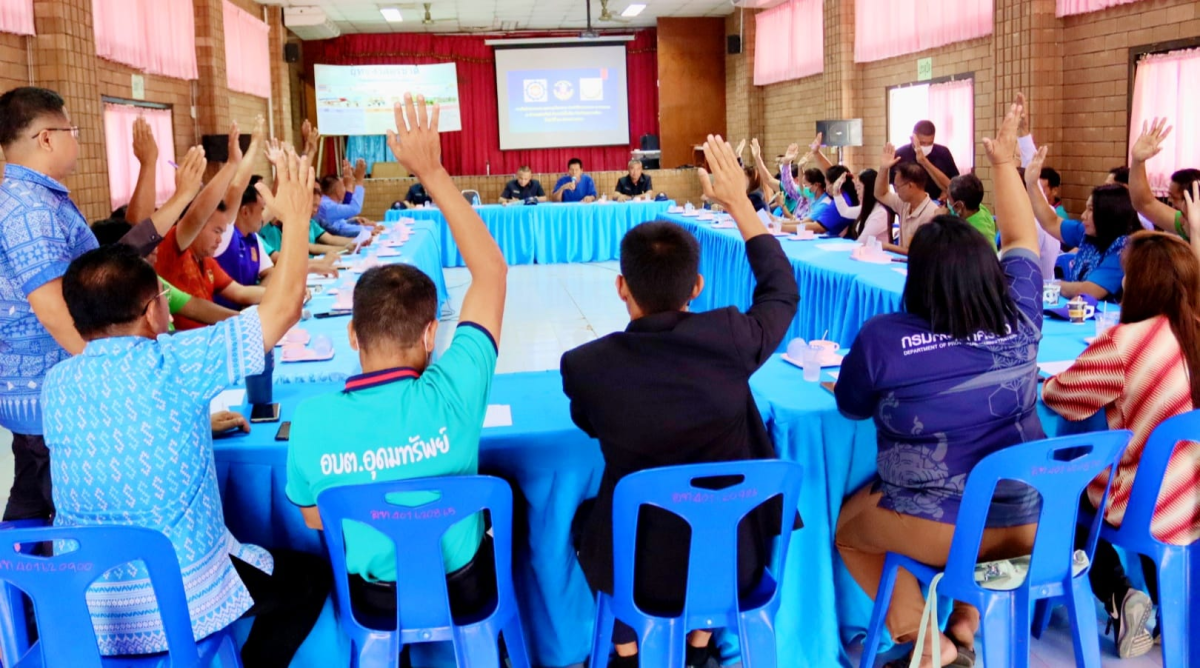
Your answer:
<point x="1107" y="576"/>
<point x="287" y="604"/>
<point x="30" y="497"/>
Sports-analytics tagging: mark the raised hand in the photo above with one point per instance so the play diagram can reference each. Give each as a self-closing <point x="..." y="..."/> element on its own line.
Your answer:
<point x="360" y="169"/>
<point x="916" y="147"/>
<point x="275" y="151"/>
<point x="789" y="157"/>
<point x="235" y="143"/>
<point x="836" y="188"/>
<point x="415" y="142"/>
<point x="312" y="138"/>
<point x="189" y="178"/>
<point x="1023" y="126"/>
<point x="347" y="174"/>
<point x="817" y="142"/>
<point x="755" y="149"/>
<point x="259" y="134"/>
<point x="728" y="184"/>
<point x="294" y="182"/>
<point x="1033" y="171"/>
<point x="1149" y="144"/>
<point x="1003" y="148"/>
<point x="741" y="148"/>
<point x="145" y="149"/>
<point x="888" y="157"/>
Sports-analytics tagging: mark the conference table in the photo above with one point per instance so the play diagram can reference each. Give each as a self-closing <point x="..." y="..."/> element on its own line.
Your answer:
<point x="547" y="233"/>
<point x="553" y="466"/>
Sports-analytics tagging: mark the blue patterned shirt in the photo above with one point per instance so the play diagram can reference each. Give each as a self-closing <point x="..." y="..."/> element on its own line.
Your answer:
<point x="41" y="231"/>
<point x="130" y="444"/>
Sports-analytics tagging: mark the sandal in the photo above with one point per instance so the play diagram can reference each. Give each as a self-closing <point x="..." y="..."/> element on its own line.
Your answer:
<point x="965" y="658"/>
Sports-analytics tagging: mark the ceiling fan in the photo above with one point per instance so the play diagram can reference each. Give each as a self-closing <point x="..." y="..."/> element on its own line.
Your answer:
<point x="429" y="20"/>
<point x="608" y="16"/>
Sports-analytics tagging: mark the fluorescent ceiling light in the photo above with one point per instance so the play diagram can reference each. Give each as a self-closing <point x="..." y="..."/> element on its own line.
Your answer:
<point x="392" y="14"/>
<point x="633" y="10"/>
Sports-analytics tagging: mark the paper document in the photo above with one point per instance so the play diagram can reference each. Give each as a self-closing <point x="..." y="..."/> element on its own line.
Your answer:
<point x="833" y="374"/>
<point x="1054" y="368"/>
<point x="846" y="248"/>
<point x="227" y="400"/>
<point x="498" y="416"/>
<point x="900" y="270"/>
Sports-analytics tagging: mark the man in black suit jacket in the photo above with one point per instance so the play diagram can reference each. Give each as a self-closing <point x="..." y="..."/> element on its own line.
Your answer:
<point x="939" y="156"/>
<point x="673" y="388"/>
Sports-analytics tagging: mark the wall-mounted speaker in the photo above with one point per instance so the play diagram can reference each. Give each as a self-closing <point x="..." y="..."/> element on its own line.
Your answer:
<point x="841" y="133"/>
<point x="291" y="52"/>
<point x="216" y="147"/>
<point x="733" y="44"/>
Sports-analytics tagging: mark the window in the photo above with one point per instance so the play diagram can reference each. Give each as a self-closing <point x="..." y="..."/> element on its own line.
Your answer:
<point x="951" y="108"/>
<point x="888" y="28"/>
<point x="1069" y="7"/>
<point x="123" y="167"/>
<point x="155" y="36"/>
<point x="789" y="42"/>
<point x="1166" y="85"/>
<point x="247" y="52"/>
<point x="16" y="16"/>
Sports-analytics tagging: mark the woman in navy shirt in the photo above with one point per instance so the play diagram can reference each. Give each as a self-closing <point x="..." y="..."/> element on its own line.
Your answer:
<point x="948" y="381"/>
<point x="1100" y="237"/>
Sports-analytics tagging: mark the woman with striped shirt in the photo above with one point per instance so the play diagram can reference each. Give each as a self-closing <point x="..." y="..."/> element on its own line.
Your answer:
<point x="1142" y="372"/>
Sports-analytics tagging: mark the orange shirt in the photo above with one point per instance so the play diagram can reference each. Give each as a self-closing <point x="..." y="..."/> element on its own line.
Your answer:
<point x="198" y="278"/>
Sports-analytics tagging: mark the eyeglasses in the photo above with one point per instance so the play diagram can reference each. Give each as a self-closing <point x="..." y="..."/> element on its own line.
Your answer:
<point x="164" y="293"/>
<point x="74" y="130"/>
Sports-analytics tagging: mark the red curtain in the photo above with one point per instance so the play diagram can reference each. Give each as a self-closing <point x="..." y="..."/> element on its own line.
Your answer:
<point x="477" y="146"/>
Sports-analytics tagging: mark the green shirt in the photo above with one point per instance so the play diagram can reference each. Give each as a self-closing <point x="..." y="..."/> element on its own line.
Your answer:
<point x="1179" y="226"/>
<point x="397" y="424"/>
<point x="176" y="300"/>
<point x="272" y="235"/>
<point x="983" y="221"/>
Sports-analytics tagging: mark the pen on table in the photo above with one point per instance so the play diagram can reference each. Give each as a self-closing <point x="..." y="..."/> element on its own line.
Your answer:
<point x="172" y="163"/>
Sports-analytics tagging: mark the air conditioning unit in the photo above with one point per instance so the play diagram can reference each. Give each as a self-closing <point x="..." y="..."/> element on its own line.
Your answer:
<point x="309" y="23"/>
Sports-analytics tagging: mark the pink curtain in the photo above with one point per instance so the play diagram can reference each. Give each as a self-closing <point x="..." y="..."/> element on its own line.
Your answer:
<point x="247" y="52"/>
<point x="888" y="28"/>
<point x="156" y="36"/>
<point x="1070" y="7"/>
<point x="790" y="42"/>
<point x="952" y="110"/>
<point x="16" y="16"/>
<point x="1166" y="86"/>
<point x="122" y="165"/>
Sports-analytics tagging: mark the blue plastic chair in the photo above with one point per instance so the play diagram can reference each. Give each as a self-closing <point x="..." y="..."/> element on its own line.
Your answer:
<point x="712" y="591"/>
<point x="1177" y="570"/>
<point x="1064" y="263"/>
<point x="423" y="604"/>
<point x="57" y="586"/>
<point x="1059" y="469"/>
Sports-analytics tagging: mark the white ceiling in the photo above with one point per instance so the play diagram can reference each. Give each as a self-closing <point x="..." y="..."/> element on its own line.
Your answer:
<point x="362" y="16"/>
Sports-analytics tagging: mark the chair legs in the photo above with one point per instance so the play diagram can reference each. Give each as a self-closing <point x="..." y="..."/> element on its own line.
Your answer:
<point x="1041" y="615"/>
<point x="602" y="633"/>
<point x="757" y="639"/>
<point x="514" y="643"/>
<point x="1005" y="637"/>
<point x="883" y="600"/>
<point x="1180" y="621"/>
<point x="1085" y="634"/>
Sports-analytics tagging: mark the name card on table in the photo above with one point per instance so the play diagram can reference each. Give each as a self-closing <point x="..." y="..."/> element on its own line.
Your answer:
<point x="498" y="416"/>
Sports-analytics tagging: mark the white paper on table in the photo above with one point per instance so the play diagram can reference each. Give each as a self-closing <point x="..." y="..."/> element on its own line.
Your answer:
<point x="846" y="248"/>
<point x="321" y="280"/>
<point x="765" y="217"/>
<point x="1055" y="368"/>
<point x="226" y="400"/>
<point x="900" y="270"/>
<point x="498" y="416"/>
<point x="833" y="374"/>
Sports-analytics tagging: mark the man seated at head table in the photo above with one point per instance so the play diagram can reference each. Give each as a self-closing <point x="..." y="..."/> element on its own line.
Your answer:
<point x="924" y="133"/>
<point x="523" y="187"/>
<point x="575" y="186"/>
<point x="416" y="197"/>
<point x="427" y="417"/>
<point x="186" y="255"/>
<point x="635" y="184"/>
<point x="662" y="417"/>
<point x="137" y="402"/>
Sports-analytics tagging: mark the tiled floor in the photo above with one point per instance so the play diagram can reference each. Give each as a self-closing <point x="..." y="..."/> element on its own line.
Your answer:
<point x="554" y="308"/>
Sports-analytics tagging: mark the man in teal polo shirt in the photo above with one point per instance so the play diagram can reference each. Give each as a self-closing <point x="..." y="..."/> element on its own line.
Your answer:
<point x="405" y="418"/>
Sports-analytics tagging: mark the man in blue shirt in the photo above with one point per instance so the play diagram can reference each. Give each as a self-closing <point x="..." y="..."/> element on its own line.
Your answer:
<point x="127" y="423"/>
<point x="41" y="231"/>
<point x="244" y="257"/>
<point x="341" y="209"/>
<point x="575" y="186"/>
<point x="405" y="418"/>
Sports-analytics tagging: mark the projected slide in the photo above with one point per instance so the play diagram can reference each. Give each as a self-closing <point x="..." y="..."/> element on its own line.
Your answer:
<point x="358" y="100"/>
<point x="562" y="97"/>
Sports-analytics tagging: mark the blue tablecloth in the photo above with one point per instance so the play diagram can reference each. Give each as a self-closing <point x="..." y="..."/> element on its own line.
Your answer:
<point x="552" y="464"/>
<point x="421" y="251"/>
<point x="548" y="233"/>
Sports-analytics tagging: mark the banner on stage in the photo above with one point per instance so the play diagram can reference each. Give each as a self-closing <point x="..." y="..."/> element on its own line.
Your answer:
<point x="359" y="99"/>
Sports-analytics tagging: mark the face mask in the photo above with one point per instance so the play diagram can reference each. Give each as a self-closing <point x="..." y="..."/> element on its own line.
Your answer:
<point x="809" y="194"/>
<point x="927" y="149"/>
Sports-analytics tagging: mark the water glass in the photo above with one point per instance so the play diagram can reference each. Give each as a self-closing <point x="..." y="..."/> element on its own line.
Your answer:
<point x="812" y="363"/>
<point x="1106" y="321"/>
<point x="1051" y="291"/>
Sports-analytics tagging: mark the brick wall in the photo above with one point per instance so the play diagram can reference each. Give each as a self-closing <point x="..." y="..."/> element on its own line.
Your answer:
<point x="679" y="184"/>
<point x="63" y="57"/>
<point x="1074" y="71"/>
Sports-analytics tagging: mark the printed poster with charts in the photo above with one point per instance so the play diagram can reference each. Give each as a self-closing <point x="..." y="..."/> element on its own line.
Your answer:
<point x="358" y="100"/>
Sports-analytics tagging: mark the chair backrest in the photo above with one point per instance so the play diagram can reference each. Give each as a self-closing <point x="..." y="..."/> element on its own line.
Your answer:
<point x="472" y="196"/>
<point x="423" y="604"/>
<point x="649" y="143"/>
<point x="388" y="170"/>
<point x="1152" y="466"/>
<point x="1059" y="469"/>
<point x="713" y="515"/>
<point x="58" y="586"/>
